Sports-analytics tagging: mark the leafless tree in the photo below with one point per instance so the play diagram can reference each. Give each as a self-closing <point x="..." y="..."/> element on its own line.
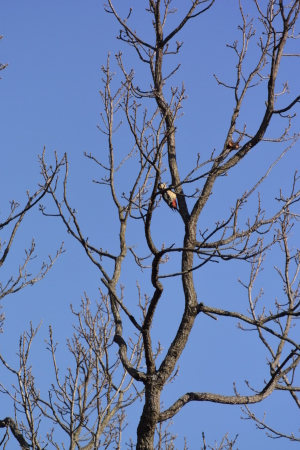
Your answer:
<point x="88" y="403"/>
<point x="228" y="240"/>
<point x="15" y="283"/>
<point x="23" y="278"/>
<point x="154" y="147"/>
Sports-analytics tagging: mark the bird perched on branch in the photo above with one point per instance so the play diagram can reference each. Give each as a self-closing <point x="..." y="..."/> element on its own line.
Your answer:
<point x="168" y="196"/>
<point x="233" y="145"/>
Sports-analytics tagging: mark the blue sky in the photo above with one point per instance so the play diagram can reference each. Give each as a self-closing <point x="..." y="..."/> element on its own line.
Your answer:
<point x="50" y="97"/>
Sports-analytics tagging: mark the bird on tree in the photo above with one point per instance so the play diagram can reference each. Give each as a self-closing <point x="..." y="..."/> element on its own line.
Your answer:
<point x="233" y="145"/>
<point x="168" y="196"/>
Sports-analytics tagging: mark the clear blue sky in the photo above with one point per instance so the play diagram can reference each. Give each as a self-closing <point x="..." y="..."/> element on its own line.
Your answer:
<point x="50" y="96"/>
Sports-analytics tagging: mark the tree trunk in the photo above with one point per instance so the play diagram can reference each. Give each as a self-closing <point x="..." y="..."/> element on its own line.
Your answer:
<point x="149" y="417"/>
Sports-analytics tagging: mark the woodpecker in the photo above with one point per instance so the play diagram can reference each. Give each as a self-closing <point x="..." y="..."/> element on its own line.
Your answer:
<point x="168" y="196"/>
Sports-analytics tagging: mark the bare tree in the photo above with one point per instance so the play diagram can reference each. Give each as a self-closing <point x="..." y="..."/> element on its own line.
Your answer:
<point x="88" y="403"/>
<point x="15" y="283"/>
<point x="23" y="278"/>
<point x="228" y="241"/>
<point x="154" y="146"/>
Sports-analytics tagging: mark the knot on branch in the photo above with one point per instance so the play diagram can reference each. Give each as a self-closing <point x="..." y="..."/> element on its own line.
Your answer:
<point x="199" y="307"/>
